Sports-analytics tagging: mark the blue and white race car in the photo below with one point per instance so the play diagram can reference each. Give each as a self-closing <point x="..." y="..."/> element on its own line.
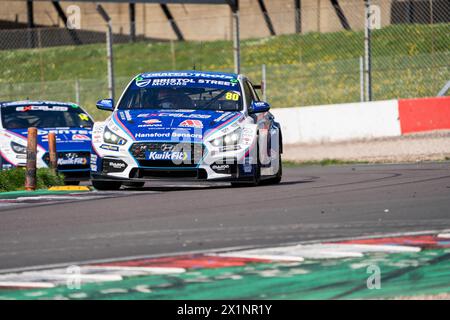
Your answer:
<point x="186" y="125"/>
<point x="70" y="123"/>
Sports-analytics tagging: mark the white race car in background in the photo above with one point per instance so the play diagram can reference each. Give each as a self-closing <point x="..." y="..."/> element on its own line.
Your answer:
<point x="186" y="125"/>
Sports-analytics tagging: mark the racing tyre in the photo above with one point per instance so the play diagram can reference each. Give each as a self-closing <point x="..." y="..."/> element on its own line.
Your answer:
<point x="256" y="178"/>
<point x="134" y="184"/>
<point x="277" y="178"/>
<point x="106" y="185"/>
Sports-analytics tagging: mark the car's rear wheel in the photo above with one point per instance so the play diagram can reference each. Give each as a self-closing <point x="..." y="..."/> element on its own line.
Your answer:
<point x="106" y="185"/>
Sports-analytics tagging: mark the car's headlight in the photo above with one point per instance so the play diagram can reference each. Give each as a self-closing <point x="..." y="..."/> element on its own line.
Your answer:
<point x="112" y="138"/>
<point x="228" y="140"/>
<point x="18" y="148"/>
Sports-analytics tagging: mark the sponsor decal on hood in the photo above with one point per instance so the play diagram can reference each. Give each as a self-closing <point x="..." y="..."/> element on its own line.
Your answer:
<point x="173" y="125"/>
<point x="82" y="137"/>
<point x="152" y="121"/>
<point x="67" y="139"/>
<point x="192" y="124"/>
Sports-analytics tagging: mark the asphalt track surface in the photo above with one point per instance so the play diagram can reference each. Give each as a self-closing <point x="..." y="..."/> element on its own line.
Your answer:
<point x="311" y="203"/>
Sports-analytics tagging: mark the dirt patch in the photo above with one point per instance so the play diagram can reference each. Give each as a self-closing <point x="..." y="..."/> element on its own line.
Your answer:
<point x="433" y="146"/>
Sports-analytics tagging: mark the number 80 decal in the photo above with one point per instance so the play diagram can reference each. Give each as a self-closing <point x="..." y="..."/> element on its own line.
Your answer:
<point x="232" y="96"/>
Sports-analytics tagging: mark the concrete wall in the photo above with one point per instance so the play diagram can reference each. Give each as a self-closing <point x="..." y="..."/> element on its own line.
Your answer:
<point x="339" y="122"/>
<point x="356" y="121"/>
<point x="204" y="22"/>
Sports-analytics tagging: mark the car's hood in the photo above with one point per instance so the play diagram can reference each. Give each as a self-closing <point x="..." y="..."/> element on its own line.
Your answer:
<point x="163" y="125"/>
<point x="67" y="139"/>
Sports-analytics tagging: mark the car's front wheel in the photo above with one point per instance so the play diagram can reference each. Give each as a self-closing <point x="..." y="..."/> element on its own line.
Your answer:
<point x="277" y="178"/>
<point x="256" y="175"/>
<point x="106" y="185"/>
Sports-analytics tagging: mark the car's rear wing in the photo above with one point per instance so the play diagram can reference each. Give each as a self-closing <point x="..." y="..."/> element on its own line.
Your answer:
<point x="261" y="86"/>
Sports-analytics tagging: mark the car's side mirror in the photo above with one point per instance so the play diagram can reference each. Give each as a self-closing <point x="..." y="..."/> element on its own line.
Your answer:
<point x="259" y="107"/>
<point x="105" y="104"/>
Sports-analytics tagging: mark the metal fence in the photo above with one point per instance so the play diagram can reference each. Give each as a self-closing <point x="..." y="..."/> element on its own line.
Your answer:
<point x="317" y="59"/>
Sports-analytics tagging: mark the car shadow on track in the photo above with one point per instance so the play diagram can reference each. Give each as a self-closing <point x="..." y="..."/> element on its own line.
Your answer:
<point x="174" y="187"/>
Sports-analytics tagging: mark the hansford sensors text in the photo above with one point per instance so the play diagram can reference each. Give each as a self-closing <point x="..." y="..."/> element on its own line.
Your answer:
<point x="225" y="310"/>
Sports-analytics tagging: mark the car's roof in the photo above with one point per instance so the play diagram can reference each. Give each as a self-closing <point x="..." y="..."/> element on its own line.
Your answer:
<point x="189" y="73"/>
<point x="36" y="103"/>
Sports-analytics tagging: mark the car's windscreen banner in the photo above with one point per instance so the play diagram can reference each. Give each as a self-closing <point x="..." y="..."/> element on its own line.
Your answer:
<point x="189" y="80"/>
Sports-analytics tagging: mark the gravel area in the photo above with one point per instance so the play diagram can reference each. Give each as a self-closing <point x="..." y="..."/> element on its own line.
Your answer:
<point x="433" y="146"/>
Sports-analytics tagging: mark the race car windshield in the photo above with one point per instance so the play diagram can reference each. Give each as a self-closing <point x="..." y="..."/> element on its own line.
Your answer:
<point x="193" y="98"/>
<point x="43" y="116"/>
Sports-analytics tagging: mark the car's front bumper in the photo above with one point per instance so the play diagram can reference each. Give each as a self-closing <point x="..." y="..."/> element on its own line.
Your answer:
<point x="231" y="165"/>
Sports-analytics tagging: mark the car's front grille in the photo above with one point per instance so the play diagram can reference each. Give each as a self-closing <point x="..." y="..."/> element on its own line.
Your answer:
<point x="165" y="164"/>
<point x="70" y="160"/>
<point x="157" y="154"/>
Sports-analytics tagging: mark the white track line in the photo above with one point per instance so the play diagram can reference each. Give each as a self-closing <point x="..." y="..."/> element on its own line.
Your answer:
<point x="262" y="256"/>
<point x="87" y="274"/>
<point x="318" y="251"/>
<point x="31" y="285"/>
<point x="125" y="269"/>
<point x="50" y="275"/>
<point x="81" y="276"/>
<point x="363" y="248"/>
<point x="119" y="259"/>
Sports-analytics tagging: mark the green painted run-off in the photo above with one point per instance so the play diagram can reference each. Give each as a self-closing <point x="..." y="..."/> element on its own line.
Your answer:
<point x="406" y="274"/>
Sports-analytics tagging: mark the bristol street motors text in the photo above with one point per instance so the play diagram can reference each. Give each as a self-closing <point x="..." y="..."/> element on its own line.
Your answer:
<point x="226" y="309"/>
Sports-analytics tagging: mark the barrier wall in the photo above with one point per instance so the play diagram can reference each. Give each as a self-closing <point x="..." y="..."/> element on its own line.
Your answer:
<point x="366" y="120"/>
<point x="427" y="114"/>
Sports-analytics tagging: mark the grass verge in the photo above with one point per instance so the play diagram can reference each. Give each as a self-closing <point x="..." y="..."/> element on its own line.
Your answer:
<point x="309" y="69"/>
<point x="14" y="179"/>
<point x="89" y="61"/>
